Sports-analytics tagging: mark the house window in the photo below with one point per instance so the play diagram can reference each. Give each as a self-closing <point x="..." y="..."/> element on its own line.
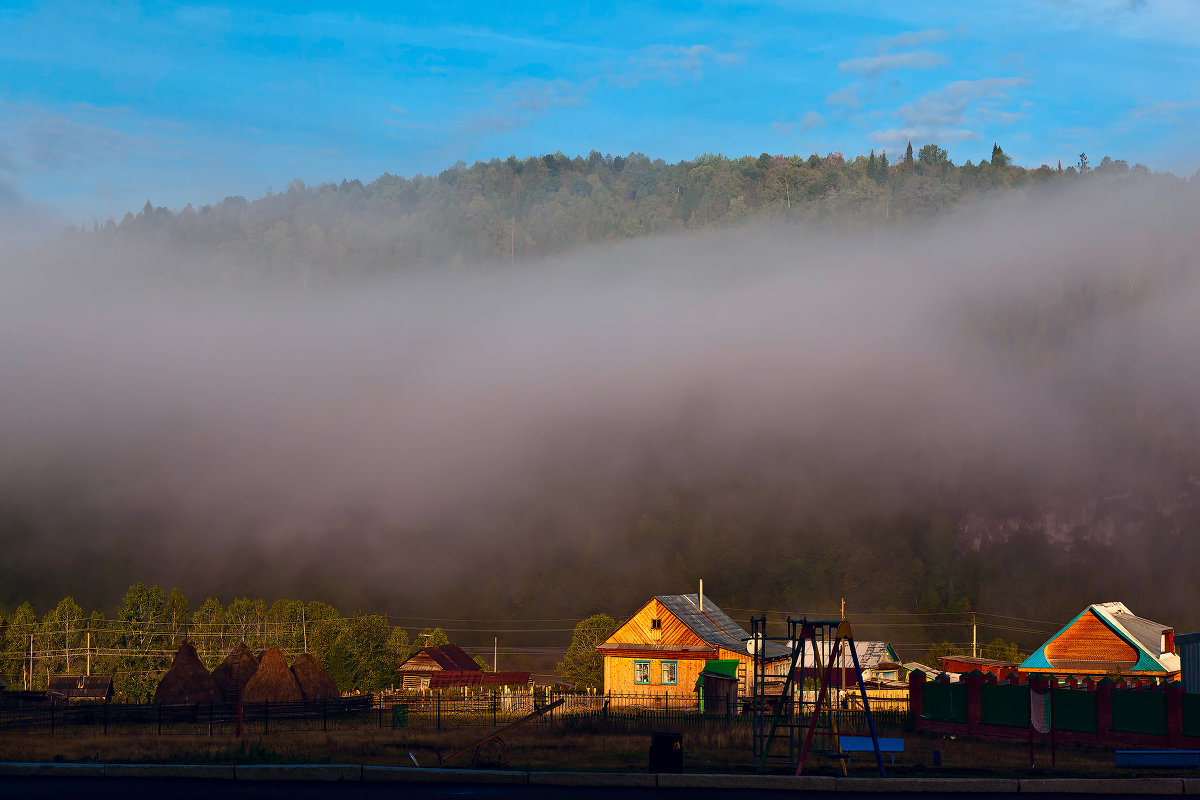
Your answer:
<point x="655" y="624"/>
<point x="670" y="673"/>
<point x="641" y="672"/>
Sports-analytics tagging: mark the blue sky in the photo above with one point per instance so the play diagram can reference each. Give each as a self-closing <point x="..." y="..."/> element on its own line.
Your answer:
<point x="104" y="105"/>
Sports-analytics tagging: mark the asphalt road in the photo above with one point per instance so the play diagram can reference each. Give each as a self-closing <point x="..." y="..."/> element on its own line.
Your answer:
<point x="189" y="789"/>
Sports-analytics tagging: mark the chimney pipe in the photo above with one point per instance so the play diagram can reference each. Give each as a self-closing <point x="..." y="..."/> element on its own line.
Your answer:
<point x="702" y="594"/>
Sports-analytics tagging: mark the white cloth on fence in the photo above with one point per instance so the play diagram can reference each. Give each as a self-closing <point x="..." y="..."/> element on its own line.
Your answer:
<point x="1040" y="709"/>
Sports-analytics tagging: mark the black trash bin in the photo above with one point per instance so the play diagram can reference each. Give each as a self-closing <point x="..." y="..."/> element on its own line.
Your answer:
<point x="666" y="752"/>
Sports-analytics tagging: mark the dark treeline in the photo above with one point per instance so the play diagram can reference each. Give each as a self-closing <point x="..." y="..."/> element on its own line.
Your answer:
<point x="361" y="651"/>
<point x="530" y="208"/>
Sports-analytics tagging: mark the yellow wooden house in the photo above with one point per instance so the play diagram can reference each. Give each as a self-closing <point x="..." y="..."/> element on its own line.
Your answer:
<point x="661" y="650"/>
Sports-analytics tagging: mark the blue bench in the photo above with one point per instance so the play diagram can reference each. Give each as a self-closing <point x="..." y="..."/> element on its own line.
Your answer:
<point x="1158" y="758"/>
<point x="863" y="744"/>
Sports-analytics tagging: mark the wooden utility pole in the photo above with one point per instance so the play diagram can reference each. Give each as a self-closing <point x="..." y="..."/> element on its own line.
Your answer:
<point x="495" y="653"/>
<point x="89" y="652"/>
<point x="974" y="638"/>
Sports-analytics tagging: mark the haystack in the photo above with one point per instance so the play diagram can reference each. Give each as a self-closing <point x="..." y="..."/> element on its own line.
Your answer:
<point x="315" y="682"/>
<point x="235" y="672"/>
<point x="273" y="682"/>
<point x="187" y="681"/>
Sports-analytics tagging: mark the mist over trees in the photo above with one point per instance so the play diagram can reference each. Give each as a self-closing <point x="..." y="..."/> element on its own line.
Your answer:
<point x="925" y="387"/>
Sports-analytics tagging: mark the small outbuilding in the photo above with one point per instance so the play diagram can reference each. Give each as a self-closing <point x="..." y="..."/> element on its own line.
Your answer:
<point x="717" y="686"/>
<point x="85" y="688"/>
<point x="418" y="670"/>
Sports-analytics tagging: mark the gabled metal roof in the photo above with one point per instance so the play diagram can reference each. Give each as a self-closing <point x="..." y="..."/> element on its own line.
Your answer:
<point x="1144" y="635"/>
<point x="712" y="624"/>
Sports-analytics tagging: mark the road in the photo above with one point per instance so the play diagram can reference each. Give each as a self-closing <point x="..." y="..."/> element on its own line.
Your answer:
<point x="190" y="789"/>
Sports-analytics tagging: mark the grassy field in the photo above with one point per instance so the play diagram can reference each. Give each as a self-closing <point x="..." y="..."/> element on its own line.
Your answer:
<point x="712" y="749"/>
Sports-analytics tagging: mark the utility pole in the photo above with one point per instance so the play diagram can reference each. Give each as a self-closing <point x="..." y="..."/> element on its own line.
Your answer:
<point x="89" y="653"/>
<point x="495" y="654"/>
<point x="843" y="608"/>
<point x="67" y="628"/>
<point x="974" y="638"/>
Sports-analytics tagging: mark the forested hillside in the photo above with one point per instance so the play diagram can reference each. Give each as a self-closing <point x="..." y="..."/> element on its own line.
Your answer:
<point x="521" y="209"/>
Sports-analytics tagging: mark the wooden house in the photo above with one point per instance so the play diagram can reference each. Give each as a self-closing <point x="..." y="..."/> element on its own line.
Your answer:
<point x="417" y="669"/>
<point x="877" y="659"/>
<point x="81" y="687"/>
<point x="1108" y="639"/>
<point x="450" y="666"/>
<point x="662" y="649"/>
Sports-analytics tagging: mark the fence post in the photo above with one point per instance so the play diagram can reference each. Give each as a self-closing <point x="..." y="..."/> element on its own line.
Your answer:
<point x="916" y="695"/>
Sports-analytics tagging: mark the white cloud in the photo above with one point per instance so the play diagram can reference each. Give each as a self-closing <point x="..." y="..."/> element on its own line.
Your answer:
<point x="953" y="113"/>
<point x="911" y="39"/>
<point x="670" y="64"/>
<point x="873" y="65"/>
<point x="847" y="97"/>
<point x="1165" y="111"/>
<point x="521" y="103"/>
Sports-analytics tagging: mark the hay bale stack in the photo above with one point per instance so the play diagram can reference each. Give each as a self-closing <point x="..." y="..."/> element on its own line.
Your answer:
<point x="315" y="682"/>
<point x="235" y="672"/>
<point x="187" y="681"/>
<point x="273" y="682"/>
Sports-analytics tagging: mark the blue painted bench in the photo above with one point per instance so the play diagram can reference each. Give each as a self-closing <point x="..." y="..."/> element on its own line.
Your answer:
<point x="862" y="744"/>
<point x="1157" y="758"/>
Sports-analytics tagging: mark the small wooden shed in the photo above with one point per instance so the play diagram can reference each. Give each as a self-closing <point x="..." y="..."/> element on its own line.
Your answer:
<point x="717" y="685"/>
<point x="419" y="668"/>
<point x="73" y="688"/>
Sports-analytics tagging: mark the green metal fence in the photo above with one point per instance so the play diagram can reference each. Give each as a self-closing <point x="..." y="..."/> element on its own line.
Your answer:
<point x="1075" y="710"/>
<point x="1136" y="711"/>
<point x="1191" y="715"/>
<point x="944" y="701"/>
<point x="1004" y="705"/>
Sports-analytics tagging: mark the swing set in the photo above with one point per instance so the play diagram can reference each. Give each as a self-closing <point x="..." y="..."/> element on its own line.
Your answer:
<point x="789" y="719"/>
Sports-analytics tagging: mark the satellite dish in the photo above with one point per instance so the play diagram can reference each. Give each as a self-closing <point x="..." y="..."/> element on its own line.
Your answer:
<point x="753" y="645"/>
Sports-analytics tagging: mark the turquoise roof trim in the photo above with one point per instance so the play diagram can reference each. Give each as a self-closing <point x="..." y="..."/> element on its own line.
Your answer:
<point x="1145" y="662"/>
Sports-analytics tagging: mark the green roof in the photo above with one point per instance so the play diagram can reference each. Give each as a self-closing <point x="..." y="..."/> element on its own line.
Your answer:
<point x="719" y="668"/>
